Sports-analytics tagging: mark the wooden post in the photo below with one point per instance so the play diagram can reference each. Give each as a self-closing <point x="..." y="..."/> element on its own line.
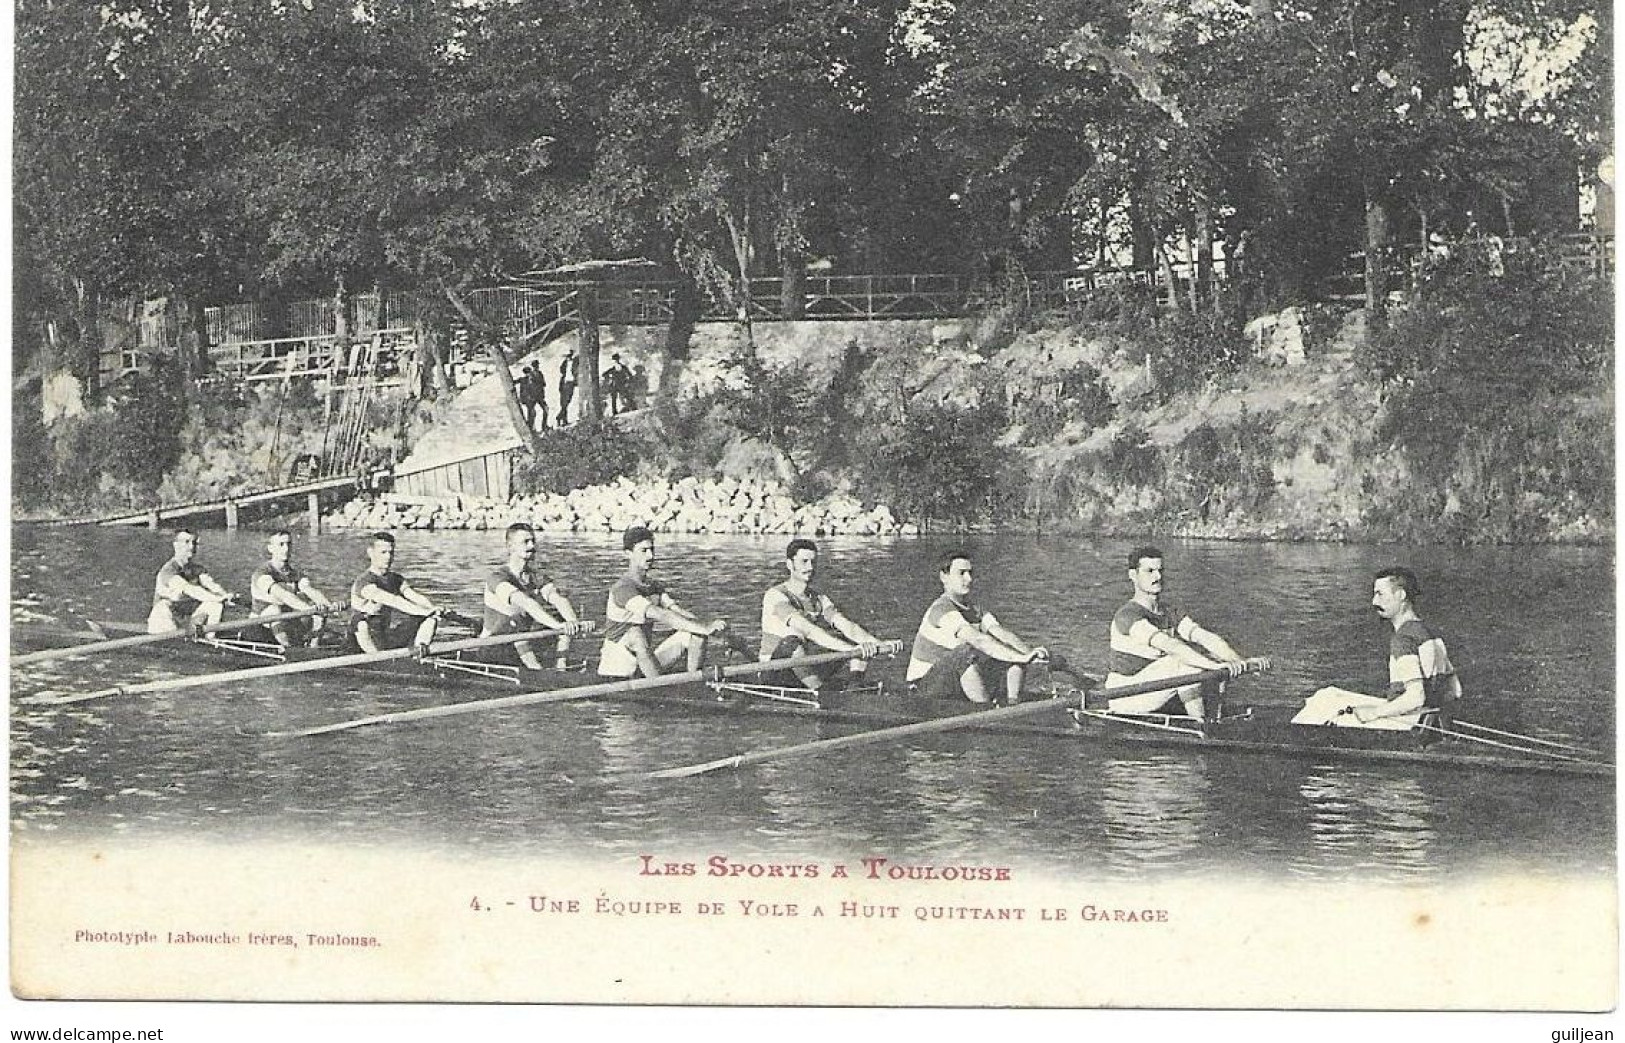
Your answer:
<point x="231" y="514"/>
<point x="152" y="518"/>
<point x="313" y="503"/>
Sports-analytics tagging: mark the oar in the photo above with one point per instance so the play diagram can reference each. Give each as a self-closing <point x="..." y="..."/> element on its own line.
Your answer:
<point x="1525" y="750"/>
<point x="974" y="719"/>
<point x="136" y="640"/>
<point x="303" y="667"/>
<point x="563" y="695"/>
<point x="1522" y="738"/>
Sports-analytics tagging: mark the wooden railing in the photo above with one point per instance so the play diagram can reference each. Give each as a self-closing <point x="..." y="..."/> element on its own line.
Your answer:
<point x="319" y="356"/>
<point x="538" y="312"/>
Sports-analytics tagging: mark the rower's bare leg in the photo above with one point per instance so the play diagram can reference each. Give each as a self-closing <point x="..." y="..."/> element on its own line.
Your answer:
<point x="696" y="651"/>
<point x="636" y="643"/>
<point x="208" y="613"/>
<point x="1013" y="678"/>
<point x="364" y="637"/>
<point x="562" y="660"/>
<point x="970" y="682"/>
<point x="425" y="633"/>
<point x="527" y="655"/>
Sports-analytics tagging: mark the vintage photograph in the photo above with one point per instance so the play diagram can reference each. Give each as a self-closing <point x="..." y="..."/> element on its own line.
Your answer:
<point x="913" y="503"/>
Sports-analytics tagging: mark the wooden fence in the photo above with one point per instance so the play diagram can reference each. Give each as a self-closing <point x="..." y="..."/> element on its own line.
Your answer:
<point x="487" y="475"/>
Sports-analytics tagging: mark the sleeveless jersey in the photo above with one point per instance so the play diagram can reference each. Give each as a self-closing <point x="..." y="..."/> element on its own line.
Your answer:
<point x="628" y="606"/>
<point x="389" y="583"/>
<point x="181" y="605"/>
<point x="1132" y="629"/>
<point x="935" y="640"/>
<point x="287" y="576"/>
<point x="778" y="604"/>
<point x="497" y="610"/>
<point x="1416" y="653"/>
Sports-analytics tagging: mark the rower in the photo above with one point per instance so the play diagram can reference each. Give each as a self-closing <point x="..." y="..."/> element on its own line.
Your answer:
<point x="958" y="641"/>
<point x="184" y="594"/>
<point x="277" y="586"/>
<point x="636" y="603"/>
<point x="1421" y="678"/>
<point x="514" y="595"/>
<point x="1151" y="640"/>
<point x="796" y="617"/>
<point x="385" y="611"/>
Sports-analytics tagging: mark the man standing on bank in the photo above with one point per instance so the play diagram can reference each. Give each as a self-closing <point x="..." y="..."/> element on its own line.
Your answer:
<point x="184" y="594"/>
<point x="797" y="617"/>
<point x="567" y="385"/>
<point x="385" y="612"/>
<point x="1152" y="640"/>
<point x="958" y="641"/>
<point x="636" y="603"/>
<point x="277" y="586"/>
<point x="514" y="595"/>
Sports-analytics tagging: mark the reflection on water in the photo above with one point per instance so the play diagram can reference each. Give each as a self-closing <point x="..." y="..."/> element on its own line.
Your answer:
<point x="1371" y="823"/>
<point x="569" y="778"/>
<point x="1154" y="810"/>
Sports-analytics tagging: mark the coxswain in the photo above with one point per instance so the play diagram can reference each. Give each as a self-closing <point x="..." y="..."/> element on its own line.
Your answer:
<point x="958" y="641"/>
<point x="636" y="603"/>
<point x="1152" y="640"/>
<point x="278" y="587"/>
<point x="518" y="597"/>
<point x="184" y="594"/>
<point x="1422" y="682"/>
<point x="798" y="618"/>
<point x="385" y="612"/>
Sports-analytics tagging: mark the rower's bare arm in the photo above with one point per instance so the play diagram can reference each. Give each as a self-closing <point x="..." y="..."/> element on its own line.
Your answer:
<point x="1028" y="653"/>
<point x="1410" y="701"/>
<point x="851" y="630"/>
<point x="1182" y="651"/>
<point x="308" y="589"/>
<point x="992" y="646"/>
<point x="1213" y="644"/>
<point x="799" y="624"/>
<point x="534" y="609"/>
<point x="679" y="619"/>
<point x="206" y="589"/>
<point x="572" y="624"/>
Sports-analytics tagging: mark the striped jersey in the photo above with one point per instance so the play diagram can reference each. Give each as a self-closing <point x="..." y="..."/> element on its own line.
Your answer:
<point x="779" y="603"/>
<point x="1416" y="653"/>
<point x="162" y="589"/>
<point x="267" y="576"/>
<point x="629" y="604"/>
<point x="939" y="633"/>
<point x="1133" y="627"/>
<point x="496" y="593"/>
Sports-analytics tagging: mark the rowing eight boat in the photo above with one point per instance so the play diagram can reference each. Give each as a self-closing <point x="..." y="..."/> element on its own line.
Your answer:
<point x="1257" y="732"/>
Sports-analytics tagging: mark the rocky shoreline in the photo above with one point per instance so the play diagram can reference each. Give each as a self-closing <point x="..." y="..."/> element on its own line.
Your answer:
<point x="690" y="505"/>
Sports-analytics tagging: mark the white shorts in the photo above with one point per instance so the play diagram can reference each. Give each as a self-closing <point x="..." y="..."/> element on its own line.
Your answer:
<point x="1149" y="702"/>
<point x="616" y="660"/>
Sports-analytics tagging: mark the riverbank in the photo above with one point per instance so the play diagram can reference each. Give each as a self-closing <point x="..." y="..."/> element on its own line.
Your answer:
<point x="1473" y="416"/>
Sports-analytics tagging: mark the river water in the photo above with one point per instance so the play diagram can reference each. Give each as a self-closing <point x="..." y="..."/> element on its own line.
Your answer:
<point x="1531" y="630"/>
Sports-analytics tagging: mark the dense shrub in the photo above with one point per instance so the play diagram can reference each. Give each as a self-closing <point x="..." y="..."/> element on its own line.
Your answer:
<point x="1188" y="350"/>
<point x="579" y="456"/>
<point x="1482" y="375"/>
<point x="941" y="465"/>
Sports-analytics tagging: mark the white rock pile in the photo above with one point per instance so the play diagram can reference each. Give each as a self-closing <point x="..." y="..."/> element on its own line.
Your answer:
<point x="722" y="505"/>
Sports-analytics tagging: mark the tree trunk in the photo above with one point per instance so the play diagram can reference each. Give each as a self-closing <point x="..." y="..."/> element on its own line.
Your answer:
<point x="592" y="400"/>
<point x="1144" y="237"/>
<point x="1203" y="271"/>
<point x="478" y="327"/>
<point x="1376" y="248"/>
<point x="685" y="315"/>
<point x="792" y="268"/>
<point x="739" y="239"/>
